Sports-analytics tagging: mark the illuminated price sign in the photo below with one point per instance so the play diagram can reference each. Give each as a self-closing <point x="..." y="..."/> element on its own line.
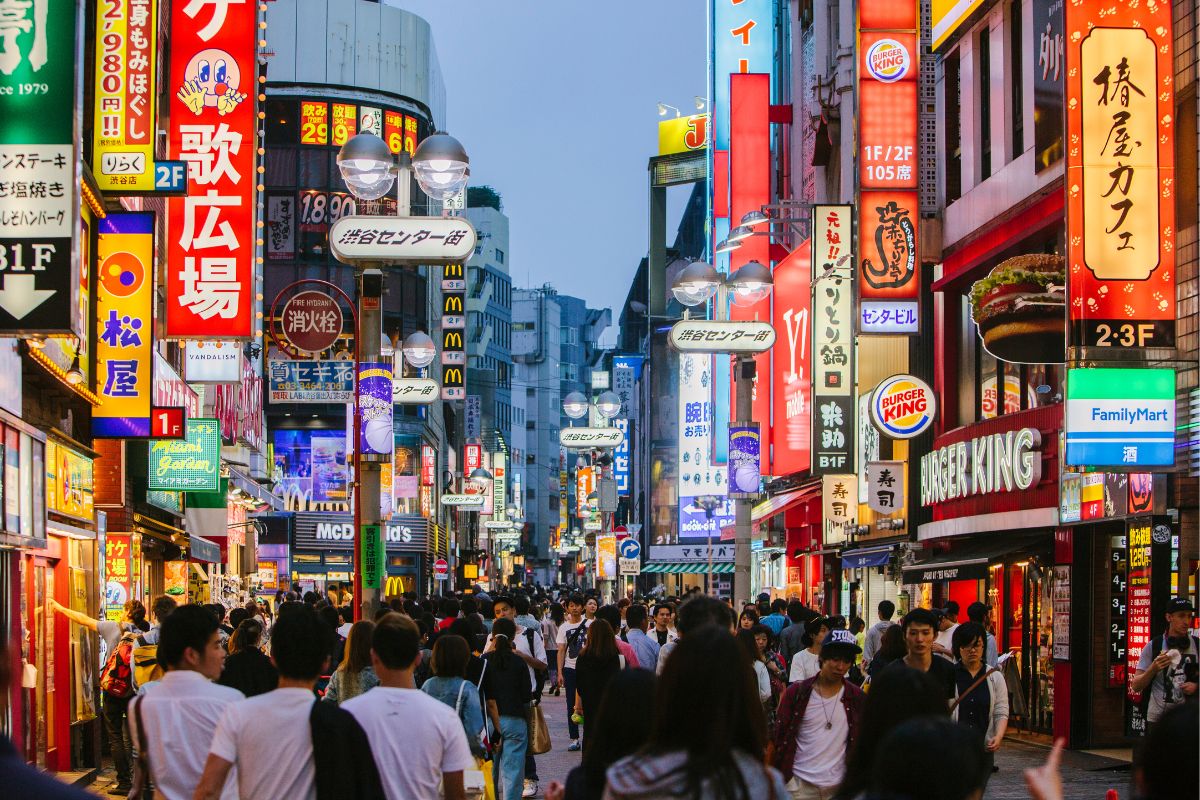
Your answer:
<point x="314" y="122"/>
<point x="345" y="123"/>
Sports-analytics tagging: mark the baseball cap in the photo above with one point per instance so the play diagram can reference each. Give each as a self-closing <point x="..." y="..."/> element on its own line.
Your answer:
<point x="1180" y="604"/>
<point x="842" y="641"/>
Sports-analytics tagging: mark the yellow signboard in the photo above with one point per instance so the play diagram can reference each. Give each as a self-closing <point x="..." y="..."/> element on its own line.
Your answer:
<point x="949" y="16"/>
<point x="683" y="134"/>
<point x="124" y="125"/>
<point x="606" y="558"/>
<point x="68" y="481"/>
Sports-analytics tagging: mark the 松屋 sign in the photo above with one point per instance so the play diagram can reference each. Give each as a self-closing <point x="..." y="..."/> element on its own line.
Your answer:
<point x="997" y="462"/>
<point x="39" y="195"/>
<point x="213" y="90"/>
<point x="1120" y="417"/>
<point x="1121" y="190"/>
<point x="125" y="96"/>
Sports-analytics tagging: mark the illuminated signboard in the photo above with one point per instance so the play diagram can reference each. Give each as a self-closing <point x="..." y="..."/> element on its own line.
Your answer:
<point x="1120" y="417"/>
<point x="124" y="325"/>
<point x="833" y="394"/>
<point x="124" y="124"/>
<point x="345" y="123"/>
<point x="697" y="474"/>
<point x="454" y="323"/>
<point x="792" y="305"/>
<point x="188" y="465"/>
<point x="889" y="284"/>
<point x="314" y="122"/>
<point x="683" y="134"/>
<point x="213" y="91"/>
<point x="1120" y="176"/>
<point x="743" y="42"/>
<point x="69" y="482"/>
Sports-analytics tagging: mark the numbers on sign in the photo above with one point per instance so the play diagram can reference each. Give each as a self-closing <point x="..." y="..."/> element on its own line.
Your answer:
<point x="314" y="133"/>
<point x="1126" y="335"/>
<point x="319" y="208"/>
<point x="33" y="88"/>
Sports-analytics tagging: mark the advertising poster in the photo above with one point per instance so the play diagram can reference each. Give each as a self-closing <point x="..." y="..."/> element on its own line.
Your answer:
<point x="118" y="585"/>
<point x="175" y="580"/>
<point x="745" y="471"/>
<point x="69" y="482"/>
<point x="606" y="558"/>
<point x="1140" y="626"/>
<point x="311" y="466"/>
<point x="314" y="122"/>
<point x="192" y="464"/>
<point x="344" y="124"/>
<point x="622" y="456"/>
<point x="839" y="494"/>
<point x="791" y="434"/>
<point x="375" y="407"/>
<point x="124" y="325"/>
<point x="1120" y="102"/>
<point x="213" y="127"/>
<point x="125" y="96"/>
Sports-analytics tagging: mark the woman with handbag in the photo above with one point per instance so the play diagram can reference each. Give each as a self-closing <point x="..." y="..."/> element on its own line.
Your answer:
<point x="506" y="686"/>
<point x="981" y="695"/>
<point x="449" y="684"/>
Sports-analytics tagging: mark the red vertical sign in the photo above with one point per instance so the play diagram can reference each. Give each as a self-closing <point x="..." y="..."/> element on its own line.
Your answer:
<point x="791" y="435"/>
<point x="889" y="282"/>
<point x="213" y="91"/>
<point x="750" y="190"/>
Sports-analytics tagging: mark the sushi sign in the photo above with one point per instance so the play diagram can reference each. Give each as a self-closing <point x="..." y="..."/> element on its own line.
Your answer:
<point x="1120" y="418"/>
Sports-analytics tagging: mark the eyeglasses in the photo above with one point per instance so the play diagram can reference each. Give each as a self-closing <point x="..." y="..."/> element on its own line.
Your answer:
<point x="977" y="645"/>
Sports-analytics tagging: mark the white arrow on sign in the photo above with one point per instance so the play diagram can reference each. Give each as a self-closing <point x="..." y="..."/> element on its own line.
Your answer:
<point x="20" y="295"/>
<point x="721" y="336"/>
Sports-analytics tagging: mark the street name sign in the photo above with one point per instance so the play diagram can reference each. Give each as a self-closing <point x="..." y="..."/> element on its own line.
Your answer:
<point x="362" y="240"/>
<point x="721" y="336"/>
<point x="585" y="438"/>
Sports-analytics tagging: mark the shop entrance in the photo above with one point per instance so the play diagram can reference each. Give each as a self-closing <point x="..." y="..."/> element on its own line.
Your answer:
<point x="1018" y="599"/>
<point x="39" y="706"/>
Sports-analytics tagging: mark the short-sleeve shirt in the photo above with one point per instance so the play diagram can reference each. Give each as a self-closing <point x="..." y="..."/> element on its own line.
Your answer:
<point x="1170" y="679"/>
<point x="414" y="739"/>
<point x="563" y="631"/>
<point x="262" y="733"/>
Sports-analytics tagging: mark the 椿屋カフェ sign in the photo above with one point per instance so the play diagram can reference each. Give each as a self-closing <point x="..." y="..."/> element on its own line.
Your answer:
<point x="997" y="462"/>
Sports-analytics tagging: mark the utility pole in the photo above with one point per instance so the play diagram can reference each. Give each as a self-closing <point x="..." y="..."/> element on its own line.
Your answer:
<point x="370" y="469"/>
<point x="744" y="412"/>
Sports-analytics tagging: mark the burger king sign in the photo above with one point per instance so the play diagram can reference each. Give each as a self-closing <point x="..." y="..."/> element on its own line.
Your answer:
<point x="902" y="407"/>
<point x="888" y="61"/>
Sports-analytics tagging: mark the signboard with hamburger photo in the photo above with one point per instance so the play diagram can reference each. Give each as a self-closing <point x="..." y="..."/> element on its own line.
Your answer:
<point x="1020" y="310"/>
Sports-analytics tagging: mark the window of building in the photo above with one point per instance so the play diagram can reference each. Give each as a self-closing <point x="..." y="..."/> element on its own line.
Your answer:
<point x="1016" y="73"/>
<point x="499" y="256"/>
<point x="984" y="69"/>
<point x="953" y="132"/>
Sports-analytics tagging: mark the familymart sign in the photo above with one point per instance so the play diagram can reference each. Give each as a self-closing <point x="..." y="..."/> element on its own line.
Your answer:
<point x="1122" y="418"/>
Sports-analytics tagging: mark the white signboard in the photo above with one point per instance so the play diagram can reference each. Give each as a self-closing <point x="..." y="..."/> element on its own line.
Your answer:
<point x="630" y="566"/>
<point x="885" y="486"/>
<point x="402" y="240"/>
<point x="212" y="362"/>
<point x="414" y="391"/>
<point x="463" y="500"/>
<point x="721" y="336"/>
<point x="697" y="474"/>
<point x="839" y="495"/>
<point x="586" y="438"/>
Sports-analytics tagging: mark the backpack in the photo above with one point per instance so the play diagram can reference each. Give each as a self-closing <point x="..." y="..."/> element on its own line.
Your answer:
<point x="575" y="640"/>
<point x="539" y="675"/>
<point x="116" y="679"/>
<point x="1156" y="646"/>
<point x="145" y="663"/>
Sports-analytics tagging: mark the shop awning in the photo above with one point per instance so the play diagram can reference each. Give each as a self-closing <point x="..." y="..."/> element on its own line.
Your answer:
<point x="969" y="561"/>
<point x="866" y="557"/>
<point x="775" y="505"/>
<point x="686" y="567"/>
<point x="202" y="549"/>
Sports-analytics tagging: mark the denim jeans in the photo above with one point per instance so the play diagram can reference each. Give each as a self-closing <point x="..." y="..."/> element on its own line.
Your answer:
<point x="569" y="685"/>
<point x="509" y="768"/>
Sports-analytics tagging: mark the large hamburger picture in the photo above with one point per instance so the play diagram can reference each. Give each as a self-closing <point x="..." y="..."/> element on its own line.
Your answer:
<point x="1020" y="311"/>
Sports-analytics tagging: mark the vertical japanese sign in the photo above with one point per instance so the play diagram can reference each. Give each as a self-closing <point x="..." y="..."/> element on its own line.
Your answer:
<point x="1118" y="611"/>
<point x="124" y="325"/>
<point x="839" y="498"/>
<point x="428" y="466"/>
<point x="393" y="131"/>
<point x="1139" y="622"/>
<point x="833" y="348"/>
<point x="1050" y="45"/>
<point x="750" y="190"/>
<point x="791" y="435"/>
<point x="345" y="123"/>
<point x="742" y="43"/>
<point x="371" y="554"/>
<point x="1120" y="175"/>
<point x="40" y="97"/>
<point x="454" y="323"/>
<point x="697" y="474"/>
<point x="888" y="72"/>
<point x="473" y="417"/>
<point x="210" y="252"/>
<point x="621" y="457"/>
<point x="125" y="123"/>
<point x="885" y="486"/>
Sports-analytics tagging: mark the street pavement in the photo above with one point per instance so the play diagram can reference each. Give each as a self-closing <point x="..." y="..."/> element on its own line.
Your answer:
<point x="1085" y="776"/>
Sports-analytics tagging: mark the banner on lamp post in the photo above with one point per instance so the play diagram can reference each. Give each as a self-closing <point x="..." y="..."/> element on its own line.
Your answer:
<point x="745" y="460"/>
<point x="371" y="556"/>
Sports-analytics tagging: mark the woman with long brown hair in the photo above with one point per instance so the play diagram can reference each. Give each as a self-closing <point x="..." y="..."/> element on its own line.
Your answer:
<point x="598" y="663"/>
<point x="354" y="674"/>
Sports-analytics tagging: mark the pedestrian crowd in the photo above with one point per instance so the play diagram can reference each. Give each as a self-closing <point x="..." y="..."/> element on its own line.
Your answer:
<point x="440" y="698"/>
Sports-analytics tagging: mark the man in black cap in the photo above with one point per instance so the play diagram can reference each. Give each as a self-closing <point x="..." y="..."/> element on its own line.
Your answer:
<point x="1167" y="668"/>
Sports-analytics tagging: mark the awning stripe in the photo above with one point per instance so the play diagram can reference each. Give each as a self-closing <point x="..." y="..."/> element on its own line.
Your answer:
<point x="686" y="567"/>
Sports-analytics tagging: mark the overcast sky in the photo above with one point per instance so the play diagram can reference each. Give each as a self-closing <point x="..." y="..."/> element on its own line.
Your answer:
<point x="555" y="102"/>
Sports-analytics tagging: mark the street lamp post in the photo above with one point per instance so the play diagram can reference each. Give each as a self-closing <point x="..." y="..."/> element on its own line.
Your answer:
<point x="368" y="168"/>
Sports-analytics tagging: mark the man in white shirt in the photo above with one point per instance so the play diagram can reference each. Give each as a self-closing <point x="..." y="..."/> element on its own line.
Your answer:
<point x="174" y="718"/>
<point x="531" y="649"/>
<point x="269" y="737"/>
<point x="418" y="740"/>
<point x="947" y="623"/>
<point x="572" y="635"/>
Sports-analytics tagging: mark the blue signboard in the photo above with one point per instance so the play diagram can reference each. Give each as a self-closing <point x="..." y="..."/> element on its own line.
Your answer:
<point x="311" y="381"/>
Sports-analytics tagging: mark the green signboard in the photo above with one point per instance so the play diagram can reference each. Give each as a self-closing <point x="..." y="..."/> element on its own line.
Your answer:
<point x="1120" y="417"/>
<point x="371" y="556"/>
<point x="192" y="464"/>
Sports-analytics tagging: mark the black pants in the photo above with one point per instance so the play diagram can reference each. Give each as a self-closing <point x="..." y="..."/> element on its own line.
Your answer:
<point x="569" y="684"/>
<point x="116" y="726"/>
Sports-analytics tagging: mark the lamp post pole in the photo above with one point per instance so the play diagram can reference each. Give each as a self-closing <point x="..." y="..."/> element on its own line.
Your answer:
<point x="744" y="412"/>
<point x="368" y="482"/>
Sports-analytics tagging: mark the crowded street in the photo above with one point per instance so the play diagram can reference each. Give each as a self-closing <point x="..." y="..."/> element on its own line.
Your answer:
<point x="634" y="400"/>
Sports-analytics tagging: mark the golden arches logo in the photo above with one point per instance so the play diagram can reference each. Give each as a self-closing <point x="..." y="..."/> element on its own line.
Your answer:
<point x="453" y="304"/>
<point x="452" y="339"/>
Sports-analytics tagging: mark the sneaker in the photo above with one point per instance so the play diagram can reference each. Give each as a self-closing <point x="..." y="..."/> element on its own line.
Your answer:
<point x="120" y="791"/>
<point x="575" y="745"/>
<point x="531" y="788"/>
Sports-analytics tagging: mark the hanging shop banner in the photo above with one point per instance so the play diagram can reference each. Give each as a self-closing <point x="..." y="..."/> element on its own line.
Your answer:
<point x="683" y="134"/>
<point x="791" y="434"/>
<point x="833" y="349"/>
<point x="213" y="91"/>
<point x="375" y="408"/>
<point x="1121" y="418"/>
<point x="125" y="124"/>
<point x="1120" y="176"/>
<point x="839" y="496"/>
<point x="1140" y="627"/>
<point x="454" y="323"/>
<point x="472" y="459"/>
<point x="888" y="71"/>
<point x="188" y="465"/>
<point x="745" y="465"/>
<point x="1050" y="45"/>
<point x="473" y="417"/>
<point x="743" y="42"/>
<point x="585" y="484"/>
<point x="69" y="482"/>
<point x="124" y="325"/>
<point x="697" y="474"/>
<point x="622" y="457"/>
<point x="428" y="465"/>
<point x="371" y="555"/>
<point x="40" y="73"/>
<point x="310" y="381"/>
<point x="885" y="486"/>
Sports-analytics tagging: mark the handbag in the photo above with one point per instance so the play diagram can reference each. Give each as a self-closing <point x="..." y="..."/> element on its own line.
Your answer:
<point x="539" y="733"/>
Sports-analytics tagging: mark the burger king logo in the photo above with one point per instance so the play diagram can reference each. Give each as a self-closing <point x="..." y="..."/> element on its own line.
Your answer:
<point x="902" y="406"/>
<point x="888" y="60"/>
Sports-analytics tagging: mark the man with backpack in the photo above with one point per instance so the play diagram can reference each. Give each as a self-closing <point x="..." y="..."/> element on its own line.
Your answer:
<point x="173" y="722"/>
<point x="1166" y="673"/>
<point x="572" y="635"/>
<point x="116" y="685"/>
<point x="531" y="649"/>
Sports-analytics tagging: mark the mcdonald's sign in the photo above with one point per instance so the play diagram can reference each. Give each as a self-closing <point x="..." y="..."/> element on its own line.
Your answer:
<point x="454" y="324"/>
<point x="453" y="304"/>
<point x="452" y="339"/>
